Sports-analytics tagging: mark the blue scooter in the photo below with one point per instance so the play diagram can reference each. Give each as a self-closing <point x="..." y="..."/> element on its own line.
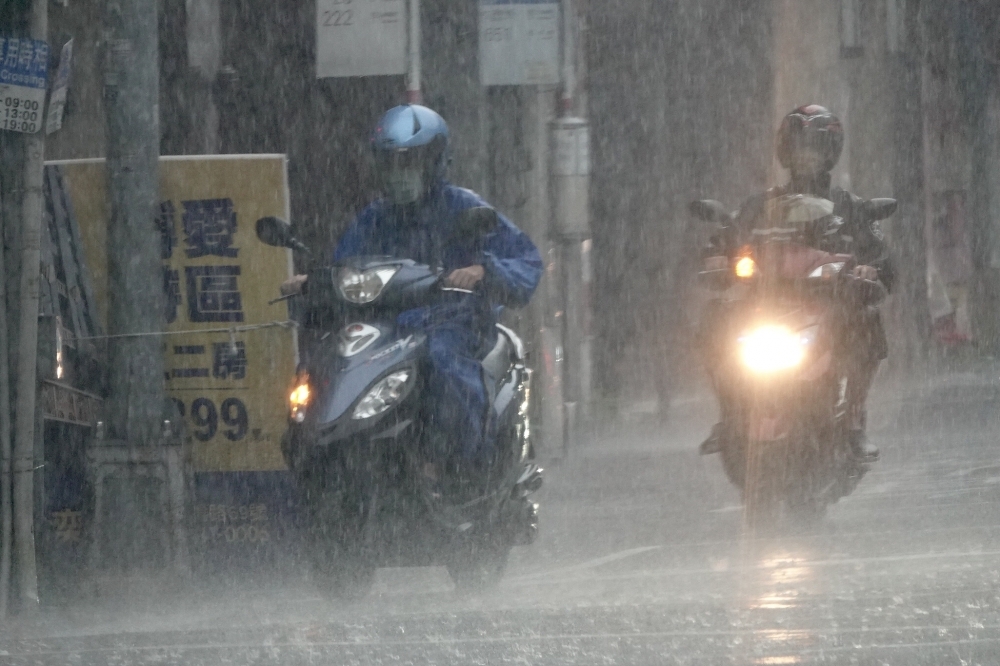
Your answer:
<point x="359" y="432"/>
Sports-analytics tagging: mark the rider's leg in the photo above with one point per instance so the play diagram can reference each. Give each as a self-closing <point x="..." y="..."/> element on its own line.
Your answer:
<point x="858" y="385"/>
<point x="867" y="352"/>
<point x="460" y="396"/>
<point x="710" y="341"/>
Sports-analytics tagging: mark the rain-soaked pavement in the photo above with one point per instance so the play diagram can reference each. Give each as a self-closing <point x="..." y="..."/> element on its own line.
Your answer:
<point x="642" y="559"/>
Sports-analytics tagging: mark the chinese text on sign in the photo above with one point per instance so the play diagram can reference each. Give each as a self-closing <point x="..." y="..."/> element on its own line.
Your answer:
<point x="24" y="66"/>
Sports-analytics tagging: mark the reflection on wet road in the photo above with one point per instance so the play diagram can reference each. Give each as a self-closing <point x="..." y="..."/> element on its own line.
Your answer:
<point x="642" y="560"/>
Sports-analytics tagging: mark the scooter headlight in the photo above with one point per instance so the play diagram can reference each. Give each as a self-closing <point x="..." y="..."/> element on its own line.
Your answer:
<point x="384" y="394"/>
<point x="364" y="286"/>
<point x="773" y="348"/>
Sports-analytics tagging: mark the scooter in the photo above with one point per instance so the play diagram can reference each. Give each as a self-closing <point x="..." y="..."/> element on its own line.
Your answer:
<point x="359" y="433"/>
<point x="781" y="379"/>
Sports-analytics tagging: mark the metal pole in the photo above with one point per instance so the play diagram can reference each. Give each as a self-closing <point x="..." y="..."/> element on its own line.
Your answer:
<point x="135" y="278"/>
<point x="413" y="94"/>
<point x="33" y="207"/>
<point x="547" y="360"/>
<point x="571" y="217"/>
<point x="6" y="508"/>
<point x="568" y="58"/>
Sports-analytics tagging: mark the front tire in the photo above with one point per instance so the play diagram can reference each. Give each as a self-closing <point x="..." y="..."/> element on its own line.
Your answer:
<point x="478" y="567"/>
<point x="339" y="573"/>
<point x="337" y="549"/>
<point x="780" y="483"/>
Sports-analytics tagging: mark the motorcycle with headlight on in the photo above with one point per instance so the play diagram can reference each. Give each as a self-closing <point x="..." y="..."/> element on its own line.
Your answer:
<point x="782" y="375"/>
<point x="358" y="428"/>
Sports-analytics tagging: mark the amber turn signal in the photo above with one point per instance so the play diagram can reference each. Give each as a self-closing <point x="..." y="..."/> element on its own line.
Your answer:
<point x="745" y="267"/>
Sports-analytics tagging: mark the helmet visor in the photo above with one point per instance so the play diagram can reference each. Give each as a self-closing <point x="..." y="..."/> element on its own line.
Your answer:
<point x="402" y="174"/>
<point x="405" y="158"/>
<point x="812" y="142"/>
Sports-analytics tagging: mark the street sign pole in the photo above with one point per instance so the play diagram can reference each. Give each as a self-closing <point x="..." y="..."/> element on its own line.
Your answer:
<point x="570" y="173"/>
<point x="31" y="226"/>
<point x="413" y="93"/>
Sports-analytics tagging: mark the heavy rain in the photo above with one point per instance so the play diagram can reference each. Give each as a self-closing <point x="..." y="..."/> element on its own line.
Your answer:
<point x="500" y="332"/>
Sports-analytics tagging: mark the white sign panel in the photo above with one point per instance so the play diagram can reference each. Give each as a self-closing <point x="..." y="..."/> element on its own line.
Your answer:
<point x="24" y="67"/>
<point x="518" y="42"/>
<point x="360" y="37"/>
<point x="571" y="156"/>
<point x="57" y="102"/>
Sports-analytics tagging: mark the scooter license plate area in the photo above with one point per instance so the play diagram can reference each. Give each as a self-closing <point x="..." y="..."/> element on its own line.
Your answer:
<point x="767" y="427"/>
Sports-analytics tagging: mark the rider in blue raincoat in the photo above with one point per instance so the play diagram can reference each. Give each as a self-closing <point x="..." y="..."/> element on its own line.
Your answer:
<point x="417" y="219"/>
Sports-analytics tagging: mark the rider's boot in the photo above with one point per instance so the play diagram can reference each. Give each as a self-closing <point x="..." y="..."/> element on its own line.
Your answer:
<point x="861" y="448"/>
<point x="858" y="386"/>
<point x="713" y="444"/>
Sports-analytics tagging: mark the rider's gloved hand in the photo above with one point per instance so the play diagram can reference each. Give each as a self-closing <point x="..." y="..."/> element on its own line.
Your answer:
<point x="865" y="273"/>
<point x="293" y="285"/>
<point x="465" y="278"/>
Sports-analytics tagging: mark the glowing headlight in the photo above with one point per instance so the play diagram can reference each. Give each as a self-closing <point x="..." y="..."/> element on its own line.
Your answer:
<point x="827" y="271"/>
<point x="298" y="399"/>
<point x="745" y="267"/>
<point x="364" y="286"/>
<point x="386" y="393"/>
<point x="773" y="348"/>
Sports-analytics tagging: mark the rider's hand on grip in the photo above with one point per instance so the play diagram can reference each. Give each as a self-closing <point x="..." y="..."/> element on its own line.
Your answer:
<point x="465" y="278"/>
<point x="865" y="273"/>
<point x="293" y="285"/>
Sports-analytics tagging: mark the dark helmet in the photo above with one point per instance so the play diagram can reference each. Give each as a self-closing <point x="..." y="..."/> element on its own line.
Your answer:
<point x="410" y="144"/>
<point x="810" y="129"/>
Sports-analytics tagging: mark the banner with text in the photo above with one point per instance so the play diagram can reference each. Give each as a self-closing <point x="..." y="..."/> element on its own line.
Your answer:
<point x="230" y="385"/>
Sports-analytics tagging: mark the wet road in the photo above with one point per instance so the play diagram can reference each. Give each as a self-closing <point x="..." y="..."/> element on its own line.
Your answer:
<point x="642" y="560"/>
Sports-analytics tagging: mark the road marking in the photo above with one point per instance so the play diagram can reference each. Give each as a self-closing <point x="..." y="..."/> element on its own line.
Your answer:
<point x="589" y="564"/>
<point x="534" y="638"/>
<point x="534" y="579"/>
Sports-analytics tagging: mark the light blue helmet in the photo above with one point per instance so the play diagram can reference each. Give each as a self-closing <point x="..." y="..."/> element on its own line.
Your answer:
<point x="410" y="144"/>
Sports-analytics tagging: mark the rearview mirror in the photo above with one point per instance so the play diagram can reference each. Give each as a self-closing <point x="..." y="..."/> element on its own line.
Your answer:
<point x="710" y="210"/>
<point x="879" y="209"/>
<point x="477" y="222"/>
<point x="275" y="232"/>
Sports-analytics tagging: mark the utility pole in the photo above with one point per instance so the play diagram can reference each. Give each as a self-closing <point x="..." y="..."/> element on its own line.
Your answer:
<point x="911" y="184"/>
<point x="413" y="60"/>
<point x="571" y="216"/>
<point x="135" y="278"/>
<point x="33" y="207"/>
<point x="6" y="505"/>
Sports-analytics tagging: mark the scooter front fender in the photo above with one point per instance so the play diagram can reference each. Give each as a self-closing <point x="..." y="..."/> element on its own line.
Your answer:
<point x="343" y="382"/>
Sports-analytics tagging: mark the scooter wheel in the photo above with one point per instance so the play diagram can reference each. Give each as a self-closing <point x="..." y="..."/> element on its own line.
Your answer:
<point x="346" y="578"/>
<point x="478" y="568"/>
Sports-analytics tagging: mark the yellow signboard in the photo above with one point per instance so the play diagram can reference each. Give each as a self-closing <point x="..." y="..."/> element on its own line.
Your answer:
<point x="227" y="369"/>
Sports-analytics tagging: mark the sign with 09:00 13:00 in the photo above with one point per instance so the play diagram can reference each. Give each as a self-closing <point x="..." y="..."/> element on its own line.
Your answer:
<point x="24" y="66"/>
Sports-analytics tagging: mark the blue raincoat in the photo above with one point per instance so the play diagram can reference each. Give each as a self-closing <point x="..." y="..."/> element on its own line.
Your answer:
<point x="460" y="333"/>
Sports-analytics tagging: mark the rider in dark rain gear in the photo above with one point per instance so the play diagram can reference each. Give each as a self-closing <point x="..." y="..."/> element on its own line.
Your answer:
<point x="417" y="219"/>
<point x="809" y="144"/>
